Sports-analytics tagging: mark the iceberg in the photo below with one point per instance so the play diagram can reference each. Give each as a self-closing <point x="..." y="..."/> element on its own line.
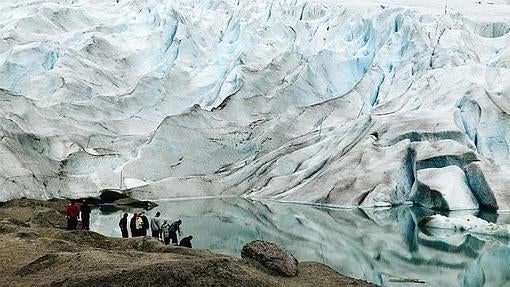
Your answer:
<point x="468" y="223"/>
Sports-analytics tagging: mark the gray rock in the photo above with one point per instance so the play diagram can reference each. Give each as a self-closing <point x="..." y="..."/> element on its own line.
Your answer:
<point x="278" y="260"/>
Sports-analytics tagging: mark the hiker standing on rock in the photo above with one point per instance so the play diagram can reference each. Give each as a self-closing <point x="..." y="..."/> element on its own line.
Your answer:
<point x="174" y="228"/>
<point x="123" y="226"/>
<point x="156" y="225"/>
<point x="85" y="216"/>
<point x="165" y="232"/>
<point x="132" y="225"/>
<point x="72" y="215"/>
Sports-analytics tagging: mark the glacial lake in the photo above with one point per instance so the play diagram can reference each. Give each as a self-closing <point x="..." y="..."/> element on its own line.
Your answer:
<point x="383" y="246"/>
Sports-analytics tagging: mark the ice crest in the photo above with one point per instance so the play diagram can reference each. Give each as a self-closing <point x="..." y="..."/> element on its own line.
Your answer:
<point x="340" y="103"/>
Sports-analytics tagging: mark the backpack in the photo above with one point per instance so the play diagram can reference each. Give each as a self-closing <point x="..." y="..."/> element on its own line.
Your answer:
<point x="73" y="210"/>
<point x="139" y="223"/>
<point x="165" y="228"/>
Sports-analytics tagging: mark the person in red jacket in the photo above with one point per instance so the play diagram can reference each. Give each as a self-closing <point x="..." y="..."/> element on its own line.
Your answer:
<point x="72" y="215"/>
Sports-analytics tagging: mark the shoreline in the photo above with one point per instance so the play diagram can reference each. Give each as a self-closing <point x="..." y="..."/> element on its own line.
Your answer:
<point x="39" y="252"/>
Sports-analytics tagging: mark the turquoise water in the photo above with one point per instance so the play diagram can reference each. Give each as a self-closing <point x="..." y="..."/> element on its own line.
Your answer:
<point x="384" y="246"/>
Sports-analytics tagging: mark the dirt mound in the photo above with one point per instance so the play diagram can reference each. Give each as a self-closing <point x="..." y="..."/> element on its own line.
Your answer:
<point x="204" y="272"/>
<point x="49" y="218"/>
<point x="57" y="245"/>
<point x="56" y="204"/>
<point x="41" y="263"/>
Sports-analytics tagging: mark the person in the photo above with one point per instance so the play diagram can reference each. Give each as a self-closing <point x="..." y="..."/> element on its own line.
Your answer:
<point x="139" y="225"/>
<point x="132" y="225"/>
<point x="142" y="224"/>
<point x="165" y="232"/>
<point x="186" y="241"/>
<point x="156" y="225"/>
<point x="174" y="228"/>
<point x="145" y="224"/>
<point x="72" y="215"/>
<point x="85" y="216"/>
<point x="123" y="226"/>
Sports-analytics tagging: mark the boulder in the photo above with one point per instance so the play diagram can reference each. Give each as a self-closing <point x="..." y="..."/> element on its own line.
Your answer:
<point x="276" y="259"/>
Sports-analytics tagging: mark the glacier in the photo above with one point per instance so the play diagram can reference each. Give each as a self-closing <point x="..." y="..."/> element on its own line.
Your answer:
<point x="345" y="103"/>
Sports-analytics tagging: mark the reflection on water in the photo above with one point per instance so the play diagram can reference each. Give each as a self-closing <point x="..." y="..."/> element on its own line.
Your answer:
<point x="381" y="246"/>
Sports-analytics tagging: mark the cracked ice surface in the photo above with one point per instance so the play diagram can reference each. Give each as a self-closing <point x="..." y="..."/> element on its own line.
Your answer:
<point x="310" y="101"/>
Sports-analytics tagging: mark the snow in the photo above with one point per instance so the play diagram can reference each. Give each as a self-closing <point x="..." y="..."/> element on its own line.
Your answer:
<point x="478" y="9"/>
<point x="349" y="103"/>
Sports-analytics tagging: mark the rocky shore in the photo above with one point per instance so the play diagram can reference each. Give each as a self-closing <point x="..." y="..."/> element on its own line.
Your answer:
<point x="37" y="251"/>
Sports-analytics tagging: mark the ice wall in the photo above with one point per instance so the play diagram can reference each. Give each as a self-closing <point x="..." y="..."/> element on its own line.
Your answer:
<point x="312" y="101"/>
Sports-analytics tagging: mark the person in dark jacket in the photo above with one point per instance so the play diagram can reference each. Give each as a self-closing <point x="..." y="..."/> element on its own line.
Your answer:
<point x="145" y="225"/>
<point x="174" y="228"/>
<point x="186" y="241"/>
<point x="123" y="226"/>
<point x="85" y="216"/>
<point x="72" y="212"/>
<point x="132" y="225"/>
